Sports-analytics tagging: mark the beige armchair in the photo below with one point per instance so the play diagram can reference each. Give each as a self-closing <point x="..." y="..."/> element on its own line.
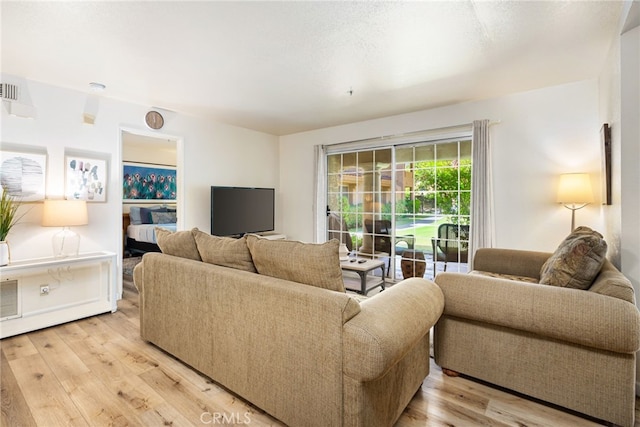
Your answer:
<point x="573" y="348"/>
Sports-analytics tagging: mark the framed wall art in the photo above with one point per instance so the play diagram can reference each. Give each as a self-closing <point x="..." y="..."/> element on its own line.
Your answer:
<point x="605" y="137"/>
<point x="23" y="174"/>
<point x="85" y="178"/>
<point x="148" y="182"/>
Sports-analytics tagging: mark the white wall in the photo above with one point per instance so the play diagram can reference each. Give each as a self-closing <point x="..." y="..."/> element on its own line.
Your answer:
<point x="212" y="153"/>
<point x="610" y="112"/>
<point x="620" y="106"/>
<point x="630" y="141"/>
<point x="542" y="133"/>
<point x="630" y="148"/>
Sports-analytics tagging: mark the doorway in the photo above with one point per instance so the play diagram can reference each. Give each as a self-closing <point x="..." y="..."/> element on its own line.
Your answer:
<point x="146" y="153"/>
<point x="394" y="202"/>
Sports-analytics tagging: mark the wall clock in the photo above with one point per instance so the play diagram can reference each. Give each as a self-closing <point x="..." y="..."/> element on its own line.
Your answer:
<point x="154" y="119"/>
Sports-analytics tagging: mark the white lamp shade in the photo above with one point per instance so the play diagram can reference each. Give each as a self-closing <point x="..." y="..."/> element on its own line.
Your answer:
<point x="64" y="213"/>
<point x="575" y="188"/>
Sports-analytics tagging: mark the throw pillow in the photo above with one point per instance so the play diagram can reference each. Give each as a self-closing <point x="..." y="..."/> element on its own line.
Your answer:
<point x="224" y="251"/>
<point x="577" y="261"/>
<point x="163" y="217"/>
<point x="315" y="264"/>
<point x="145" y="214"/>
<point x="178" y="243"/>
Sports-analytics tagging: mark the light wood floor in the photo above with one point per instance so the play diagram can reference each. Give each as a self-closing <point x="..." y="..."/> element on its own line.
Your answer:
<point x="98" y="371"/>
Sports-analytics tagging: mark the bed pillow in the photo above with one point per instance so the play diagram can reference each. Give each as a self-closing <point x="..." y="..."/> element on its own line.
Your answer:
<point x="315" y="264"/>
<point x="145" y="214"/>
<point x="224" y="251"/>
<point x="134" y="215"/>
<point x="177" y="243"/>
<point x="577" y="261"/>
<point x="163" y="217"/>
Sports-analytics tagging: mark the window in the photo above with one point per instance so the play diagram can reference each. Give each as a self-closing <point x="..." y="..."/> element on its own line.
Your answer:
<point x="392" y="199"/>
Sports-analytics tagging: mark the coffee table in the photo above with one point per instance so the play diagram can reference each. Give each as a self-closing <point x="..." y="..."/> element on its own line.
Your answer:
<point x="365" y="282"/>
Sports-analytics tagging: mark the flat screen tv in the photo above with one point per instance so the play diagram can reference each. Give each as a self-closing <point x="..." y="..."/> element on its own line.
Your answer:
<point x="236" y="211"/>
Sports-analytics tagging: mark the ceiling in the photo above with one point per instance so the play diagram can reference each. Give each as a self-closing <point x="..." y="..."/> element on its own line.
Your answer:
<point x="286" y="67"/>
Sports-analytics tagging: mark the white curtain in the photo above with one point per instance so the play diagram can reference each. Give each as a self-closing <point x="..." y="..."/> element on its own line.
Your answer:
<point x="320" y="195"/>
<point x="482" y="221"/>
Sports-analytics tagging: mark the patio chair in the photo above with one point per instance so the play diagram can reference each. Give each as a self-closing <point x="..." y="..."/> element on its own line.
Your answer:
<point x="338" y="230"/>
<point x="380" y="231"/>
<point x="451" y="245"/>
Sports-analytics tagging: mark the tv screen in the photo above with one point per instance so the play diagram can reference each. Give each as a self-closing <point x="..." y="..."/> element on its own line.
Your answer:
<point x="241" y="210"/>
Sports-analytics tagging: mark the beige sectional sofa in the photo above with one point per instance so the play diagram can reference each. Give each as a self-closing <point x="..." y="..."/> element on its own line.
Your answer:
<point x="307" y="354"/>
<point x="571" y="347"/>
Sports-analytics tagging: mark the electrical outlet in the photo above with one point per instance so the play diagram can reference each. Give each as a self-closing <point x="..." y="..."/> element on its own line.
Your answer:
<point x="44" y="289"/>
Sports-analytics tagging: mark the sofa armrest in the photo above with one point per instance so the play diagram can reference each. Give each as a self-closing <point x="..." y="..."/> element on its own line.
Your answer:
<point x="388" y="326"/>
<point x="572" y="315"/>
<point x="138" y="277"/>
<point x="510" y="261"/>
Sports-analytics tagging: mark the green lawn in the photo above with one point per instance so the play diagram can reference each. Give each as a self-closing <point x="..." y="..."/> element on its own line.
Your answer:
<point x="422" y="234"/>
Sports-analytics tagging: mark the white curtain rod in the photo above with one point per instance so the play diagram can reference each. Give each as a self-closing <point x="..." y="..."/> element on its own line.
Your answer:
<point x="428" y="132"/>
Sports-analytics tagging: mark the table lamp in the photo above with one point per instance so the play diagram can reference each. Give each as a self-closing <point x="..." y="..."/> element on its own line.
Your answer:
<point x="574" y="192"/>
<point x="65" y="214"/>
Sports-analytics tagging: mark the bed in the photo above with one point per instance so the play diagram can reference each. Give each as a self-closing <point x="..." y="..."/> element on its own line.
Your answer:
<point x="139" y="227"/>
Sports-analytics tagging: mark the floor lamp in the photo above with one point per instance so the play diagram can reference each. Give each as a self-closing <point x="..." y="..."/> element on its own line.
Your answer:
<point x="574" y="192"/>
<point x="65" y="214"/>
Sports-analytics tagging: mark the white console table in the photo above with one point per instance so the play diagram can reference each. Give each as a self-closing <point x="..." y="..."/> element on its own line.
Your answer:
<point x="43" y="292"/>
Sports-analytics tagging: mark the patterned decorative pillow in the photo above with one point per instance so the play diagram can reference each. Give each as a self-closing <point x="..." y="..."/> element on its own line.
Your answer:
<point x="145" y="214"/>
<point x="163" y="218"/>
<point x="577" y="261"/>
<point x="315" y="264"/>
<point x="224" y="251"/>
<point x="178" y="243"/>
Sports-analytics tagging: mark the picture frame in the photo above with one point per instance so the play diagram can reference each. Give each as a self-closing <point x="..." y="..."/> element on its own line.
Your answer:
<point x="605" y="139"/>
<point x="85" y="178"/>
<point x="148" y="183"/>
<point x="23" y="174"/>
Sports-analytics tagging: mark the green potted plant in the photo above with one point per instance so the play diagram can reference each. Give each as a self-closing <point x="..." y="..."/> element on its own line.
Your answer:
<point x="8" y="218"/>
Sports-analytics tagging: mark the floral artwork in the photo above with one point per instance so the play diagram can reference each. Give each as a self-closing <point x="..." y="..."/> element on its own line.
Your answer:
<point x="85" y="179"/>
<point x="148" y="182"/>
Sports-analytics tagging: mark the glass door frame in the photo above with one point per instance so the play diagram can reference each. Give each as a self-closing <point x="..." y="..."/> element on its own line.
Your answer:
<point x="377" y="194"/>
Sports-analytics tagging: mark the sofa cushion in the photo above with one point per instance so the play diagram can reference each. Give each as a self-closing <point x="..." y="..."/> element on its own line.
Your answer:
<point x="178" y="243"/>
<point x="224" y="251"/>
<point x="577" y="261"/>
<point x="316" y="264"/>
<point x="612" y="283"/>
<point x="505" y="276"/>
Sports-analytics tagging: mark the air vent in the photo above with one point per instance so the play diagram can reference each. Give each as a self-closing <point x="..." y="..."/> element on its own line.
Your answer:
<point x="9" y="299"/>
<point x="8" y="92"/>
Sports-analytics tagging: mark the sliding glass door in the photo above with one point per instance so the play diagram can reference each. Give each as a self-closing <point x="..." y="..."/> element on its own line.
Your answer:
<point x="392" y="203"/>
